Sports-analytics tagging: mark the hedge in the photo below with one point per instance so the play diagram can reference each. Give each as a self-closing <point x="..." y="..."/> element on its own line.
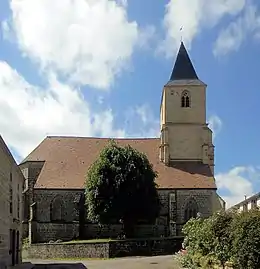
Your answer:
<point x="228" y="237"/>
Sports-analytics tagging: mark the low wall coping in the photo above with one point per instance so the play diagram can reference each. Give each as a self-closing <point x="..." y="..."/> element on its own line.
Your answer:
<point x="92" y="241"/>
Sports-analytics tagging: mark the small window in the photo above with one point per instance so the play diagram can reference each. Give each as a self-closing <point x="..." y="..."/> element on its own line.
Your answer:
<point x="11" y="207"/>
<point x="173" y="197"/>
<point x="185" y="99"/>
<point x="245" y="208"/>
<point x="56" y="209"/>
<point x="254" y="203"/>
<point x="191" y="210"/>
<point x="10" y="198"/>
<point x="18" y="206"/>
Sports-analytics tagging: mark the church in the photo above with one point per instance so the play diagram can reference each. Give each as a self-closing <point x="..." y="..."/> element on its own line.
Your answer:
<point x="183" y="157"/>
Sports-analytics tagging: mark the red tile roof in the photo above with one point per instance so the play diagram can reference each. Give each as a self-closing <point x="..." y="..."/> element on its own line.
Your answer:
<point x="67" y="160"/>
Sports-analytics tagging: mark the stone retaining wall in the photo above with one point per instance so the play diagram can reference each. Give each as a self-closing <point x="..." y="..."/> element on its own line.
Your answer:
<point x="113" y="230"/>
<point x="145" y="247"/>
<point x="111" y="249"/>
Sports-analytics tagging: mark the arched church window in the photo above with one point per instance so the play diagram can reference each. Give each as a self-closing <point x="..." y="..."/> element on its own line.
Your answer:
<point x="191" y="209"/>
<point x="185" y="99"/>
<point x="56" y="209"/>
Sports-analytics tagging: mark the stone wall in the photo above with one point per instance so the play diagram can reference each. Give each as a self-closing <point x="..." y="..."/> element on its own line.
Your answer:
<point x="11" y="183"/>
<point x="112" y="231"/>
<point x="111" y="249"/>
<point x="4" y="212"/>
<point x="44" y="198"/>
<point x="203" y="199"/>
<point x="57" y="250"/>
<point x="145" y="247"/>
<point x="31" y="171"/>
<point x="171" y="211"/>
<point x="46" y="232"/>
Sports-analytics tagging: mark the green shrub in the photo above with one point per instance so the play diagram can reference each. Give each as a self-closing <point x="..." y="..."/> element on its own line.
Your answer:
<point x="208" y="241"/>
<point x="221" y="236"/>
<point x="25" y="243"/>
<point x="197" y="242"/>
<point x="226" y="237"/>
<point x="245" y="231"/>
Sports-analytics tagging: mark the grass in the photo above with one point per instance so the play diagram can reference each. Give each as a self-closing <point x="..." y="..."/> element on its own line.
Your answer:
<point x="97" y="240"/>
<point x="106" y="240"/>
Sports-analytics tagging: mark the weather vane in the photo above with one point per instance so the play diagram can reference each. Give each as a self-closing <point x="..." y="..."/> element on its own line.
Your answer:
<point x="181" y="32"/>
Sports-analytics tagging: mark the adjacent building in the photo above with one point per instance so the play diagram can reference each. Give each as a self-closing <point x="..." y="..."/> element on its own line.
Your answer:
<point x="183" y="156"/>
<point x="248" y="203"/>
<point x="11" y="187"/>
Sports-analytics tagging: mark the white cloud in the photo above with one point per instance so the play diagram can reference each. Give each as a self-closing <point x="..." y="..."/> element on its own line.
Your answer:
<point x="144" y="117"/>
<point x="238" y="182"/>
<point x="194" y="16"/>
<point x="215" y="124"/>
<point x="88" y="41"/>
<point x="232" y="36"/>
<point x="146" y="37"/>
<point x="84" y="42"/>
<point x="124" y="3"/>
<point x="28" y="113"/>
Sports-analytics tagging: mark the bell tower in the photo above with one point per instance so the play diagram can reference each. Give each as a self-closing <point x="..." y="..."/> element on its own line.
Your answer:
<point x="185" y="135"/>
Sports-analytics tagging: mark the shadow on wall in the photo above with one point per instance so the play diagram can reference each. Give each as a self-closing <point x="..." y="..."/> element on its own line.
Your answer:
<point x="60" y="266"/>
<point x="193" y="168"/>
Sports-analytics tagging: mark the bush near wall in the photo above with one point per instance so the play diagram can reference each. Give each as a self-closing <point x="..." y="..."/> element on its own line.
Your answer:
<point x="225" y="238"/>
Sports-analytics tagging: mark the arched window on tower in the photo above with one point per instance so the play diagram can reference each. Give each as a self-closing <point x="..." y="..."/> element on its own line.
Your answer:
<point x="191" y="209"/>
<point x="56" y="209"/>
<point x="185" y="99"/>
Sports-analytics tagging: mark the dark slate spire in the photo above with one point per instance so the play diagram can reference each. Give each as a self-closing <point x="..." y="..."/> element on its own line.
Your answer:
<point x="183" y="68"/>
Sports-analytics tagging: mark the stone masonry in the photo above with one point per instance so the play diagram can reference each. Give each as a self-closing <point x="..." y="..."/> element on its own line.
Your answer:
<point x="11" y="207"/>
<point x="111" y="249"/>
<point x="43" y="229"/>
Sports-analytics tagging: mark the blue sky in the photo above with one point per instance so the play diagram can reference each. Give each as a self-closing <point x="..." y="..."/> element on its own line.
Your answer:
<point x="97" y="68"/>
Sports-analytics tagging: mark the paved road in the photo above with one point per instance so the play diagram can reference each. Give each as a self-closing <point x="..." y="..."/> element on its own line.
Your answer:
<point x="158" y="262"/>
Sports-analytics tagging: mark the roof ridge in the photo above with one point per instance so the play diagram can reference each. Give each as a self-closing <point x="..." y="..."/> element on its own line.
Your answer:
<point x="8" y="152"/>
<point x="95" y="137"/>
<point x="35" y="149"/>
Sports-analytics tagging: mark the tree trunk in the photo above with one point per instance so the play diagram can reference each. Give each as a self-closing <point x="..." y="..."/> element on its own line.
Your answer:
<point x="128" y="228"/>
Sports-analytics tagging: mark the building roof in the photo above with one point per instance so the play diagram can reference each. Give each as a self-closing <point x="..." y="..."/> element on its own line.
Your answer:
<point x="183" y="68"/>
<point x="246" y="200"/>
<point x="9" y="155"/>
<point x="67" y="160"/>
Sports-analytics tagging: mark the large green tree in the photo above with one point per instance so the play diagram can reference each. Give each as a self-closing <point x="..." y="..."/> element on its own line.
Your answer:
<point x="120" y="186"/>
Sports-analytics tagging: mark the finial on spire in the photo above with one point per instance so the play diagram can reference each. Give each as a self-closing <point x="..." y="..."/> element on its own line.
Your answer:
<point x="181" y="32"/>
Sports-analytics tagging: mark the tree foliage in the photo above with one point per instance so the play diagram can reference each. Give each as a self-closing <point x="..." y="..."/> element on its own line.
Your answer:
<point x="120" y="185"/>
<point x="245" y="231"/>
<point x="225" y="237"/>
